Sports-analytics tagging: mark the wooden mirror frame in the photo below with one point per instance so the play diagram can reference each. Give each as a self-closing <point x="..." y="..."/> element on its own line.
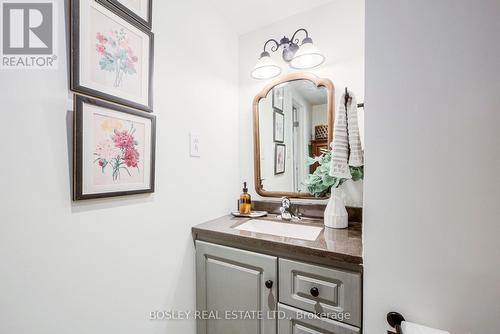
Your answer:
<point x="319" y="82"/>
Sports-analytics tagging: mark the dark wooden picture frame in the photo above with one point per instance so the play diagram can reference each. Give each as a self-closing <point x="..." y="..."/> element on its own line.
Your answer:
<point x="276" y="171"/>
<point x="78" y="137"/>
<point x="279" y="105"/>
<point x="277" y="113"/>
<point x="147" y="23"/>
<point x="77" y="87"/>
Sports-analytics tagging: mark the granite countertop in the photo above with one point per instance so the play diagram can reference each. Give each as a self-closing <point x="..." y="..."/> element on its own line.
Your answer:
<point x="334" y="247"/>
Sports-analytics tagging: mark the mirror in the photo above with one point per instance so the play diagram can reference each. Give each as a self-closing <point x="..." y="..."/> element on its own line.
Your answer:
<point x="293" y="121"/>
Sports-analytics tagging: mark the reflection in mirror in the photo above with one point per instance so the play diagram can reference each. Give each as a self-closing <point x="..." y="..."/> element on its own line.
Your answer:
<point x="293" y="125"/>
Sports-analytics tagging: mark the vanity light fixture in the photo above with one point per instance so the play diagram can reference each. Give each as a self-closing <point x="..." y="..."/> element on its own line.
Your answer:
<point x="305" y="56"/>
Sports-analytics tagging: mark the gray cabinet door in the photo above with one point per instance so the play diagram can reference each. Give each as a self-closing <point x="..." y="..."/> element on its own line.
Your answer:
<point x="295" y="321"/>
<point x="233" y="280"/>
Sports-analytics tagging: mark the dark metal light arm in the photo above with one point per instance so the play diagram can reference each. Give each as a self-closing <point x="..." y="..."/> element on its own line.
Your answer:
<point x="273" y="48"/>
<point x="296" y="41"/>
<point x="285" y="40"/>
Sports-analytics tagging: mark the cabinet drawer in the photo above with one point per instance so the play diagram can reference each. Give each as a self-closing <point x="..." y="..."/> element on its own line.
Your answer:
<point x="333" y="293"/>
<point x="295" y="321"/>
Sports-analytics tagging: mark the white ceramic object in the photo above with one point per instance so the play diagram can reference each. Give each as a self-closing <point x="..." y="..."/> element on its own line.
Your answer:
<point x="335" y="212"/>
<point x="295" y="231"/>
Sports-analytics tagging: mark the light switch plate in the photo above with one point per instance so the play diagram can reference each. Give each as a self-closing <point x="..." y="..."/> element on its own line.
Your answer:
<point x="194" y="139"/>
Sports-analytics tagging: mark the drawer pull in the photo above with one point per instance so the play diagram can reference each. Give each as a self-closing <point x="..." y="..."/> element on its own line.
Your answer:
<point x="314" y="292"/>
<point x="269" y="284"/>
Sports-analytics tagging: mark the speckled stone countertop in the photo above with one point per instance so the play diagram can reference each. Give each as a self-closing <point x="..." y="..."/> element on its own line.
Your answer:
<point x="332" y="247"/>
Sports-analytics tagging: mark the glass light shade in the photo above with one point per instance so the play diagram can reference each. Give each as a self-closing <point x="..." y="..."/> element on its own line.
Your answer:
<point x="266" y="68"/>
<point x="308" y="56"/>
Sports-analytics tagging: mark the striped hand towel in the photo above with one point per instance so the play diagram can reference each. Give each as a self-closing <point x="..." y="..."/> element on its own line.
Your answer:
<point x="346" y="143"/>
<point x="356" y="152"/>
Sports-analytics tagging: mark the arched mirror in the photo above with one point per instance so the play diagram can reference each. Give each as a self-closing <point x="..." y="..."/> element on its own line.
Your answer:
<point x="293" y="122"/>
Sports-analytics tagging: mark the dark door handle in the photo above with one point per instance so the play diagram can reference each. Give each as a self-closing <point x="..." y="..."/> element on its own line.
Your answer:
<point x="269" y="284"/>
<point x="314" y="292"/>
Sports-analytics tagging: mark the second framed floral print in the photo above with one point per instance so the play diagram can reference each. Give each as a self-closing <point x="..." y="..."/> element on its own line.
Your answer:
<point x="278" y="127"/>
<point x="114" y="150"/>
<point x="279" y="159"/>
<point x="112" y="55"/>
<point x="279" y="98"/>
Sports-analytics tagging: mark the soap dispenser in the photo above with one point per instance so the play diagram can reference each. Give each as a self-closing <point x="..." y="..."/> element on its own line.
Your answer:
<point x="245" y="201"/>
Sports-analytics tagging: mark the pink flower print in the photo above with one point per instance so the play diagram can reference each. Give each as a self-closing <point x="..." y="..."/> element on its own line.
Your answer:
<point x="131" y="157"/>
<point x="124" y="44"/>
<point x="115" y="55"/>
<point x="123" y="140"/>
<point x="106" y="150"/>
<point x="100" y="37"/>
<point x="100" y="49"/>
<point x="133" y="58"/>
<point x="119" y="152"/>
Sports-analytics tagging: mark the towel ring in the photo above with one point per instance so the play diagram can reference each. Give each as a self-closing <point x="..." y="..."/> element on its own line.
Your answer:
<point x="395" y="319"/>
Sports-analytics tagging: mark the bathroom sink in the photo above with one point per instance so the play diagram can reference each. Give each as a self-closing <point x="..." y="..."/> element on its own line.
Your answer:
<point x="281" y="229"/>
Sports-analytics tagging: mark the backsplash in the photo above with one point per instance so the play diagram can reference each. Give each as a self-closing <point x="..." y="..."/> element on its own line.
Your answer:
<point x="311" y="210"/>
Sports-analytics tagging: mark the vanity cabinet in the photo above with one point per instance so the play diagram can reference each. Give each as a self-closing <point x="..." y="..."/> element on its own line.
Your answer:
<point x="233" y="280"/>
<point x="230" y="279"/>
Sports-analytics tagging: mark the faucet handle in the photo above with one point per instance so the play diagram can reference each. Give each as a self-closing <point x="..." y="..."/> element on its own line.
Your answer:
<point x="285" y="202"/>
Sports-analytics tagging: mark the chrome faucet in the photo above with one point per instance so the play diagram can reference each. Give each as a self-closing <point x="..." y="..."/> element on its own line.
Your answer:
<point x="285" y="209"/>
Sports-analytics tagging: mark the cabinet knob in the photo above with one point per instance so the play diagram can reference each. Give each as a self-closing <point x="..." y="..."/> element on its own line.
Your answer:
<point x="269" y="284"/>
<point x="314" y="292"/>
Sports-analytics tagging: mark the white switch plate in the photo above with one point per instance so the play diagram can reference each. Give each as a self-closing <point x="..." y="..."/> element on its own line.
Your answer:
<point x="194" y="139"/>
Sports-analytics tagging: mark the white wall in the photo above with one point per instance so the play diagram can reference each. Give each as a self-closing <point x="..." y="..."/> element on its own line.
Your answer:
<point x="338" y="30"/>
<point x="319" y="116"/>
<point x="432" y="187"/>
<point x="102" y="266"/>
<point x="303" y="134"/>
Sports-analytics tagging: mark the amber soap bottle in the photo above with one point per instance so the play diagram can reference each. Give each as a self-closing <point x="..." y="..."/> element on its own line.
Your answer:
<point x="245" y="201"/>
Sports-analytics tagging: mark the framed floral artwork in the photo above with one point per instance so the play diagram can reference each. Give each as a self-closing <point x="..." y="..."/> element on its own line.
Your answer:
<point x="278" y="127"/>
<point x="140" y="10"/>
<point x="279" y="159"/>
<point x="112" y="55"/>
<point x="278" y="98"/>
<point x="114" y="150"/>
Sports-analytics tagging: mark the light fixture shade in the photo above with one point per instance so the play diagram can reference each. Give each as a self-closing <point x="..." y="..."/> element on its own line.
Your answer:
<point x="308" y="56"/>
<point x="266" y="67"/>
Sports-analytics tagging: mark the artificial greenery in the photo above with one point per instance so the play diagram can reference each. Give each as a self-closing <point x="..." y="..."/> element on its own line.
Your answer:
<point x="320" y="182"/>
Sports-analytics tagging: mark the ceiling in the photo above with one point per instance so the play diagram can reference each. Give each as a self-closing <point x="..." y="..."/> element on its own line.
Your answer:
<point x="250" y="15"/>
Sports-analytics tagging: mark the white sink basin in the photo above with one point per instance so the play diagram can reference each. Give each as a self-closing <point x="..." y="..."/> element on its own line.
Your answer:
<point x="295" y="231"/>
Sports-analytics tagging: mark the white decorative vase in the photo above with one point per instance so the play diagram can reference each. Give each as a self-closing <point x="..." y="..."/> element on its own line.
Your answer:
<point x="335" y="212"/>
